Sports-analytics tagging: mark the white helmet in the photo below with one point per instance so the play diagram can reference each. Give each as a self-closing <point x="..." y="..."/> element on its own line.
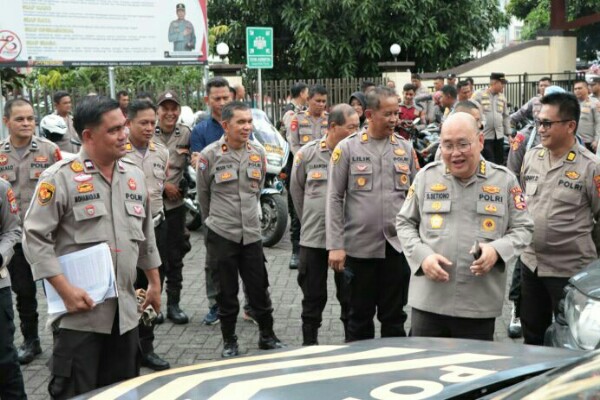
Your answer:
<point x="186" y="117"/>
<point x="53" y="127"/>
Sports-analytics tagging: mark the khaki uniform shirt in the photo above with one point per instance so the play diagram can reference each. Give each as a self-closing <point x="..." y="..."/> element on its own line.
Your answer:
<point x="589" y="121"/>
<point x="154" y="163"/>
<point x="529" y="111"/>
<point x="10" y="229"/>
<point x="286" y="119"/>
<point x="495" y="110"/>
<point x="445" y="216"/>
<point x="518" y="149"/>
<point x="229" y="183"/>
<point x="365" y="192"/>
<point x="66" y="143"/>
<point x="308" y="189"/>
<point x="76" y="208"/>
<point x="304" y="128"/>
<point x="564" y="200"/>
<point x="23" y="172"/>
<point x="178" y="144"/>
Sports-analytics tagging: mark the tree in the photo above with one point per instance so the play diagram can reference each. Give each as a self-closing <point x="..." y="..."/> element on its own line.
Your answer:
<point x="536" y="17"/>
<point x="346" y="38"/>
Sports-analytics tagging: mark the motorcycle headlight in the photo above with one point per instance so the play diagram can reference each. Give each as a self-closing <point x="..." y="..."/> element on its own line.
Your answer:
<point x="583" y="317"/>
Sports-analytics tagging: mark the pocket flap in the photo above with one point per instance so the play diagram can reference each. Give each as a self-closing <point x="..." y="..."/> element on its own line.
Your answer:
<point x="430" y="206"/>
<point x="88" y="211"/>
<point x="135" y="209"/>
<point x="361" y="168"/>
<point x="402" y="167"/>
<point x="226" y="176"/>
<point x="8" y="175"/>
<point x="530" y="189"/>
<point x="487" y="208"/>
<point x="254" y="173"/>
<point x="570" y="196"/>
<point x="35" y="173"/>
<point x="160" y="174"/>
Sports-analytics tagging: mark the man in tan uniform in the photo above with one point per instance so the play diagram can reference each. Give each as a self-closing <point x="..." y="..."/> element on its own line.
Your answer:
<point x="91" y="199"/>
<point x="176" y="137"/>
<point x="23" y="157"/>
<point x="452" y="205"/>
<point x="309" y="190"/>
<point x="230" y="174"/>
<point x="153" y="159"/>
<point x="561" y="179"/>
<point x="62" y="108"/>
<point x="306" y="126"/>
<point x="588" y="128"/>
<point x="368" y="178"/>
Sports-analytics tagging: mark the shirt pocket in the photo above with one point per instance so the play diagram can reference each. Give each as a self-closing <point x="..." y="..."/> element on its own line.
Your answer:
<point x="436" y="215"/>
<point x="10" y="176"/>
<point x="401" y="180"/>
<point x="34" y="173"/>
<point x="228" y="175"/>
<point x="361" y="176"/>
<point x="255" y="175"/>
<point x="159" y="174"/>
<point x="135" y="215"/>
<point x="530" y="189"/>
<point x="491" y="219"/>
<point x="89" y="218"/>
<point x="315" y="180"/>
<point x="564" y="204"/>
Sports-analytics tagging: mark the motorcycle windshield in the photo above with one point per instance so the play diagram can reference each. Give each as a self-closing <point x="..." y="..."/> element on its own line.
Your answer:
<point x="265" y="133"/>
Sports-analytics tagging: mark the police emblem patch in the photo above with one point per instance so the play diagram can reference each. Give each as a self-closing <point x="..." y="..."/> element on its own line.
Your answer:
<point x="3" y="159"/>
<point x="305" y="138"/>
<point x="297" y="160"/>
<point x="361" y="181"/>
<point x="337" y="154"/>
<point x="436" y="205"/>
<point x="411" y="192"/>
<point x="519" y="201"/>
<point x="90" y="210"/>
<point x="45" y="193"/>
<point x="132" y="184"/>
<point x="12" y="201"/>
<point x="436" y="221"/>
<point x="403" y="179"/>
<point x="256" y="174"/>
<point x="225" y="176"/>
<point x="488" y="225"/>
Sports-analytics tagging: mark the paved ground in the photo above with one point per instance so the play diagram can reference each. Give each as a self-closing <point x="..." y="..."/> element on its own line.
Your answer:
<point x="192" y="343"/>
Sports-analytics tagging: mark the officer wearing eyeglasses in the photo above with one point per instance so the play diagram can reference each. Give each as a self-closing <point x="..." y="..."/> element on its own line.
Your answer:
<point x="561" y="180"/>
<point x="462" y="223"/>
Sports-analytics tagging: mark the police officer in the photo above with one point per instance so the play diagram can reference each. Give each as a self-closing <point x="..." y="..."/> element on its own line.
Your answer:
<point x="495" y="110"/>
<point x="176" y="137"/>
<point x="153" y="159"/>
<point x="588" y="128"/>
<point x="306" y="126"/>
<point x="453" y="293"/>
<point x="309" y="189"/>
<point x="181" y="31"/>
<point x="231" y="172"/>
<point x="23" y="157"/>
<point x="11" y="379"/>
<point x="561" y="179"/>
<point x="62" y="107"/>
<point x="368" y="178"/>
<point x="81" y="202"/>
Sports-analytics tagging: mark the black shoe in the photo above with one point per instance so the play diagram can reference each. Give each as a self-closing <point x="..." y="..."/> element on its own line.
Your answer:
<point x="153" y="361"/>
<point x="230" y="348"/>
<point x="309" y="335"/>
<point x="160" y="318"/>
<point x="294" y="260"/>
<point x="28" y="350"/>
<point x="176" y="314"/>
<point x="269" y="342"/>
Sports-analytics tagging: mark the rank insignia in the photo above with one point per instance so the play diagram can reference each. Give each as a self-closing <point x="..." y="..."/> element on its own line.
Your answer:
<point x="12" y="200"/>
<point x="151" y="146"/>
<point x="88" y="164"/>
<point x="323" y="145"/>
<point x="305" y="138"/>
<point x="137" y="209"/>
<point x="76" y="166"/>
<point x="3" y="159"/>
<point x="82" y="178"/>
<point x="256" y="174"/>
<point x="90" y="210"/>
<point x="436" y="221"/>
<point x="491" y="189"/>
<point x="224" y="148"/>
<point x="571" y="156"/>
<point x="132" y="184"/>
<point x="393" y="139"/>
<point x="399" y="152"/>
<point x="128" y="147"/>
<point x="436" y="206"/>
<point x="438" y="187"/>
<point x="225" y="176"/>
<point x="337" y="154"/>
<point x="482" y="167"/>
<point x="85" y="187"/>
<point x="403" y="179"/>
<point x="254" y="157"/>
<point x="491" y="208"/>
<point x="488" y="225"/>
<point x="541" y="153"/>
<point x="362" y="167"/>
<point x="364" y="137"/>
<point x="572" y="175"/>
<point x="519" y="200"/>
<point x="411" y="192"/>
<point x="361" y="181"/>
<point x="45" y="193"/>
<point x="41" y="159"/>
<point x="317" y="175"/>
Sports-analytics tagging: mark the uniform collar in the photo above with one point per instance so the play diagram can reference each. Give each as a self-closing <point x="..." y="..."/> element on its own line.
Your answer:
<point x="130" y="148"/>
<point x="33" y="146"/>
<point x="89" y="167"/>
<point x="158" y="131"/>
<point x="226" y="149"/>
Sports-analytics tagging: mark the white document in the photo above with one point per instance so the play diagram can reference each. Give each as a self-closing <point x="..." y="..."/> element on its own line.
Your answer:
<point x="89" y="269"/>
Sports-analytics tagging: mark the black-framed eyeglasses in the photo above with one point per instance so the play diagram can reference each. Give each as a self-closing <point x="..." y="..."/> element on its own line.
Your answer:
<point x="548" y="124"/>
<point x="462" y="147"/>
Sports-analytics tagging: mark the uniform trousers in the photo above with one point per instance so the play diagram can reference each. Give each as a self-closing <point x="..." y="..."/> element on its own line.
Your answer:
<point x="228" y="260"/>
<point x="312" y="279"/>
<point x="174" y="241"/>
<point x="141" y="282"/>
<point x="25" y="288"/>
<point x="514" y="293"/>
<point x="11" y="379"/>
<point x="84" y="361"/>
<point x="295" y="221"/>
<point x="423" y="323"/>
<point x="493" y="150"/>
<point x="539" y="300"/>
<point x="377" y="284"/>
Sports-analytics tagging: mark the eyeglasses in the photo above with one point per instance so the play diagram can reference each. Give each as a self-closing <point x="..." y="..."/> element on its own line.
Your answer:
<point x="548" y="124"/>
<point x="449" y="148"/>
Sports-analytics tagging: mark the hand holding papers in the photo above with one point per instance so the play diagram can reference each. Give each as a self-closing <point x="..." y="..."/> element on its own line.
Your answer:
<point x="90" y="270"/>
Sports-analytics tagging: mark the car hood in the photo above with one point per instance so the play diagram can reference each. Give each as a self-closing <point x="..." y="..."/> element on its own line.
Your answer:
<point x="381" y="368"/>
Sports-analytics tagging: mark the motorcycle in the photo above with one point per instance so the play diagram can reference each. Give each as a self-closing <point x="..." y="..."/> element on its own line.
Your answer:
<point x="273" y="209"/>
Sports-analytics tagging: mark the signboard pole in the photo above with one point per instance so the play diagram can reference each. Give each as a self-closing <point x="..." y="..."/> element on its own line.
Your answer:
<point x="111" y="82"/>
<point x="260" y="98"/>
